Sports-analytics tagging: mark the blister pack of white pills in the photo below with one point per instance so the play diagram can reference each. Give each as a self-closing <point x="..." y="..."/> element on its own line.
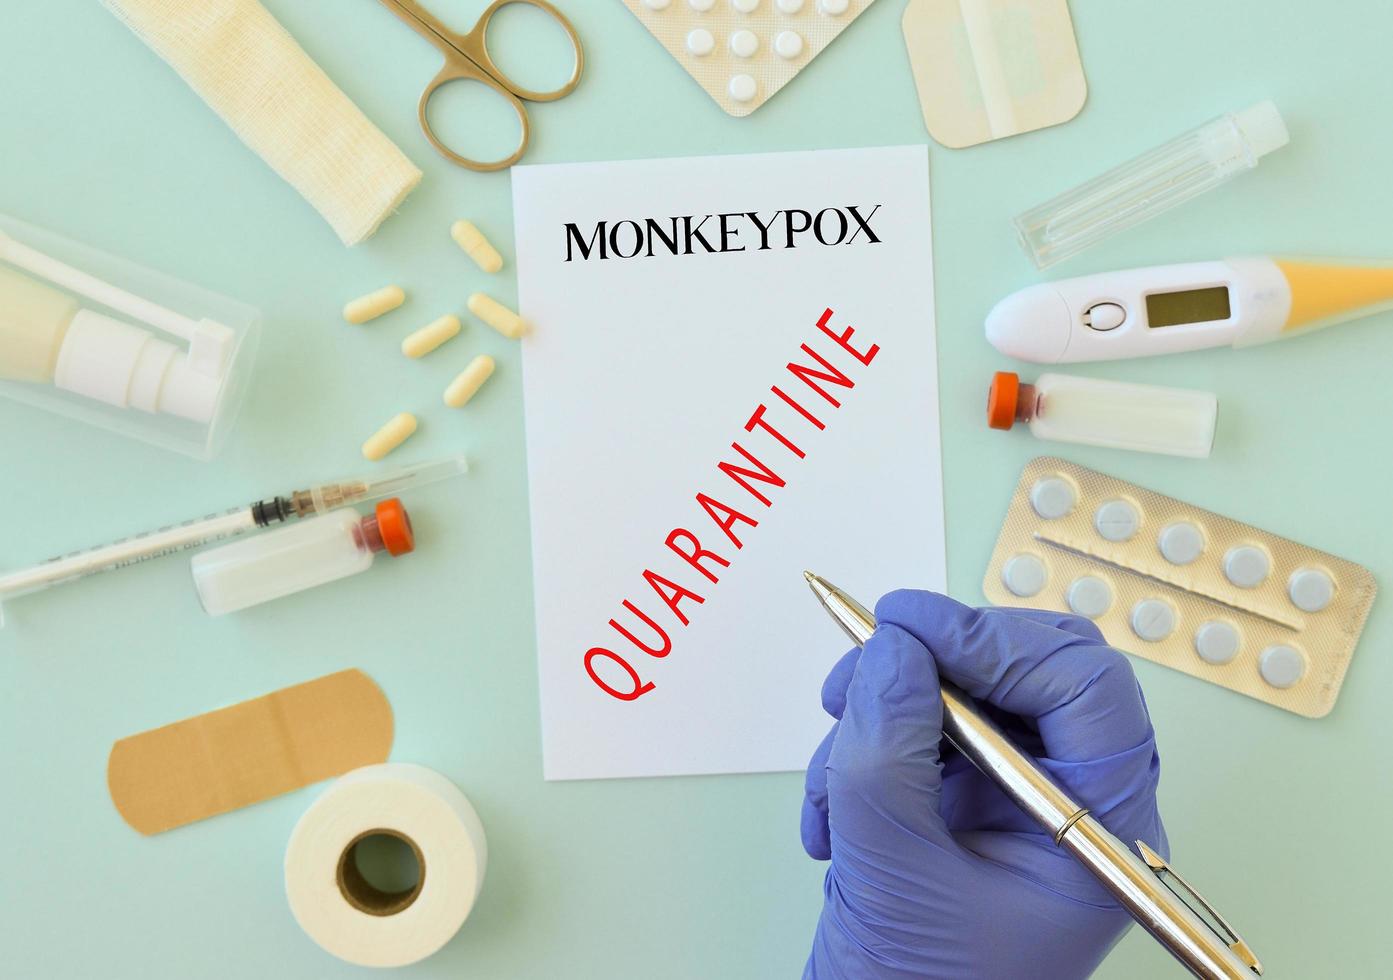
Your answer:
<point x="1167" y="581"/>
<point x="743" y="51"/>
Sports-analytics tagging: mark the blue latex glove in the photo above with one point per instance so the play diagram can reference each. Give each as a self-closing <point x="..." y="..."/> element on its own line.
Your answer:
<point x="935" y="872"/>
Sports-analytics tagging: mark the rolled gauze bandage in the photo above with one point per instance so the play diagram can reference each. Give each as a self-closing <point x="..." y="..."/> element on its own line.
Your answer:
<point x="242" y="62"/>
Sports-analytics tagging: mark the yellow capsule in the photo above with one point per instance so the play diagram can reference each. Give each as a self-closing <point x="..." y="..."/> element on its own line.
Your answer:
<point x="498" y="316"/>
<point x="432" y="335"/>
<point x="476" y="246"/>
<point x="469" y="381"/>
<point x="390" y="436"/>
<point x="374" y="304"/>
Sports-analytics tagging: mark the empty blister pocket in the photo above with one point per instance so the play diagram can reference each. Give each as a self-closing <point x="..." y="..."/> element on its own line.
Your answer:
<point x="1181" y="586"/>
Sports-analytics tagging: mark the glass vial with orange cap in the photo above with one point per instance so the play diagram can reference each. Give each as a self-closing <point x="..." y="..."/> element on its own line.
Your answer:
<point x="313" y="552"/>
<point x="1093" y="412"/>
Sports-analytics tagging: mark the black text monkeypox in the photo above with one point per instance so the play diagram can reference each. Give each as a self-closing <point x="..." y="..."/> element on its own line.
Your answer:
<point x="685" y="234"/>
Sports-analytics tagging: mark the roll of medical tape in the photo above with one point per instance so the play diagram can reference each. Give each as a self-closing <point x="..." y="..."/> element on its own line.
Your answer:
<point x="350" y="916"/>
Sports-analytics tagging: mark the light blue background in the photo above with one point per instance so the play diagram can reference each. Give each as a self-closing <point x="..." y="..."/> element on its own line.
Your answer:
<point x="1281" y="820"/>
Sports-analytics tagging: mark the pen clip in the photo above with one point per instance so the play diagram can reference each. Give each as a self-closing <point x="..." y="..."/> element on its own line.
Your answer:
<point x="1166" y="875"/>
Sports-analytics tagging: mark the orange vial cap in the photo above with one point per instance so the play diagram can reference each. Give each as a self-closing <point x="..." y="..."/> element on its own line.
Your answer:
<point x="1003" y="399"/>
<point x="394" y="526"/>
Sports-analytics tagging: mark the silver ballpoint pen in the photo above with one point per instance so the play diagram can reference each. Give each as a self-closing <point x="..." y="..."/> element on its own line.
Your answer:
<point x="1145" y="886"/>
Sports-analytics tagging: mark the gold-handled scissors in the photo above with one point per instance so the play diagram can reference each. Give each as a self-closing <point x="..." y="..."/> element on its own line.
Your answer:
<point x="467" y="58"/>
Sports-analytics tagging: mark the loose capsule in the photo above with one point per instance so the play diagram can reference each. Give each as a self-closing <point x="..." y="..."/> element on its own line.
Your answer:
<point x="476" y="246"/>
<point x="469" y="381"/>
<point x="390" y="436"/>
<point x="432" y="335"/>
<point x="498" y="316"/>
<point x="374" y="304"/>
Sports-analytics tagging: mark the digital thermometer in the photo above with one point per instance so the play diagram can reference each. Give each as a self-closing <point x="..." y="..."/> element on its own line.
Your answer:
<point x="1172" y="308"/>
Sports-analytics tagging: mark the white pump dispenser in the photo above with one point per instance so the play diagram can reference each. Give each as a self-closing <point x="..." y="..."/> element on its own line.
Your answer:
<point x="46" y="336"/>
<point x="76" y="343"/>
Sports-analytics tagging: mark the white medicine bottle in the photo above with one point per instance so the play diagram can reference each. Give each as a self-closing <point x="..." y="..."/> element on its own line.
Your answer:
<point x="103" y="341"/>
<point x="313" y="552"/>
<point x="1093" y="412"/>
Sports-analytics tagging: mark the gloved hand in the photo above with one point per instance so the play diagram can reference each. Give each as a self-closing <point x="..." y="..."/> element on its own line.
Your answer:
<point x="935" y="872"/>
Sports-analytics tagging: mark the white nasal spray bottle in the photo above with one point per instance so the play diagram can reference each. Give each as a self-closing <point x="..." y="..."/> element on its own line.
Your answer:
<point x="80" y="344"/>
<point x="47" y="336"/>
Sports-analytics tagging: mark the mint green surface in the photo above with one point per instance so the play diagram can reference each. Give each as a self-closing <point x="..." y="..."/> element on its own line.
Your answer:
<point x="1281" y="820"/>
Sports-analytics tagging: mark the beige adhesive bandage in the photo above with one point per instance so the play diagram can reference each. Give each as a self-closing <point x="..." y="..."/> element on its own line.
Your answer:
<point x="1184" y="587"/>
<point x="253" y="74"/>
<point x="986" y="69"/>
<point x="743" y="51"/>
<point x="252" y="751"/>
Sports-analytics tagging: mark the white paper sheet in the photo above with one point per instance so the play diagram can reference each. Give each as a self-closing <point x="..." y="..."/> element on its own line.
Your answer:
<point x="640" y="374"/>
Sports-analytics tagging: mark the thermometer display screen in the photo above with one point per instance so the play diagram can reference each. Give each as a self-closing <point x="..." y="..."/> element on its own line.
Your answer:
<point x="1187" y="306"/>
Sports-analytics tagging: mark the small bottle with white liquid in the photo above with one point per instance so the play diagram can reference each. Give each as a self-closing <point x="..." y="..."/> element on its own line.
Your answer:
<point x="314" y="552"/>
<point x="1114" y="414"/>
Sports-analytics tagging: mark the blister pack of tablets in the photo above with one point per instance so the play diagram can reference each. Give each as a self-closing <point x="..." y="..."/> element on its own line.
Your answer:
<point x="1181" y="586"/>
<point x="743" y="51"/>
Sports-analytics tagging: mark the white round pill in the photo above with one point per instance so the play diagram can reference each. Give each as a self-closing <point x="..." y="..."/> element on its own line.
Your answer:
<point x="1024" y="575"/>
<point x="1117" y="520"/>
<point x="789" y="6"/>
<point x="744" y="6"/>
<point x="833" y="8"/>
<point x="656" y="4"/>
<point x="743" y="44"/>
<point x="1153" y="620"/>
<point x="1311" y="589"/>
<point x="1247" y="566"/>
<point x="1217" y="641"/>
<point x="788" y="44"/>
<point x="742" y="87"/>
<point x="1181" y="542"/>
<point x="1281" y="665"/>
<point x="1052" y="497"/>
<point x="1089" y="596"/>
<point x="701" y="42"/>
<point x="701" y="6"/>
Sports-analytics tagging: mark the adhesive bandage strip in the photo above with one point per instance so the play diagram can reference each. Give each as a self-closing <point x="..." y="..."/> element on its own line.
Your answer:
<point x="432" y="335"/>
<point x="1218" y="599"/>
<point x="987" y="69"/>
<point x="253" y="74"/>
<point x="374" y="304"/>
<point x="498" y="316"/>
<point x="476" y="246"/>
<point x="390" y="436"/>
<point x="233" y="757"/>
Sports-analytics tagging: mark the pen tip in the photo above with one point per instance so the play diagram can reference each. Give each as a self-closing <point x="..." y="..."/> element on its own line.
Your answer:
<point x="809" y="576"/>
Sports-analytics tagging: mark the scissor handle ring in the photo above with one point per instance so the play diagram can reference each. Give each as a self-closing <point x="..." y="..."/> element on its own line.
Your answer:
<point x="453" y="74"/>
<point x="478" y="50"/>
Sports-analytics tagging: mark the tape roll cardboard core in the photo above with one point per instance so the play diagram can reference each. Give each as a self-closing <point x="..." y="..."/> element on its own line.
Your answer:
<point x="362" y="894"/>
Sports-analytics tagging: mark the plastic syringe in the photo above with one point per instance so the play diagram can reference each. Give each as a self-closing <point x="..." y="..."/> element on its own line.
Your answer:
<point x="174" y="538"/>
